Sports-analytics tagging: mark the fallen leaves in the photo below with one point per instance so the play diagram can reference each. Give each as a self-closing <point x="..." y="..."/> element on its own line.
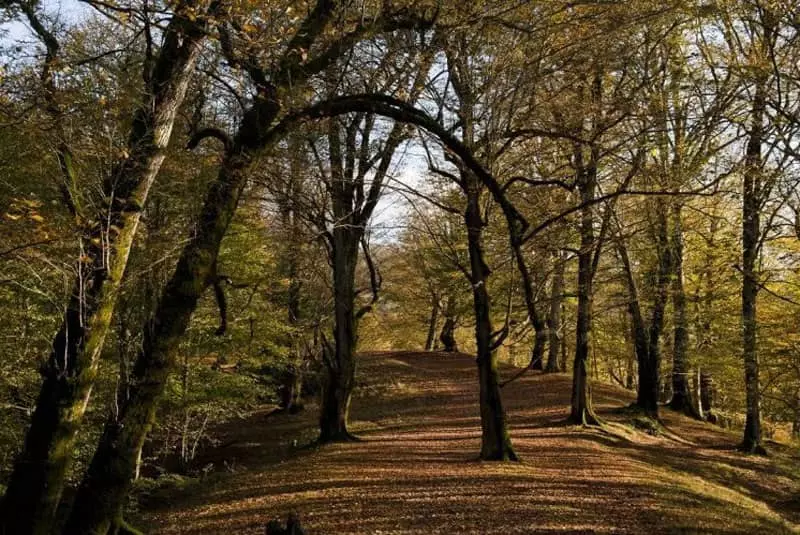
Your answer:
<point x="416" y="469"/>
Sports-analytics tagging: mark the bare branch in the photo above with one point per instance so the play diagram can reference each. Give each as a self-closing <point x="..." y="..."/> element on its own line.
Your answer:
<point x="216" y="133"/>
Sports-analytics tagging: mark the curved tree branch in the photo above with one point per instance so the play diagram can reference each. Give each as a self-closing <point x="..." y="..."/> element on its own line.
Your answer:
<point x="402" y="111"/>
<point x="216" y="133"/>
<point x="375" y="280"/>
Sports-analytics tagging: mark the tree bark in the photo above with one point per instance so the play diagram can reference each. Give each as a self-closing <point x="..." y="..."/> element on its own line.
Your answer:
<point x="341" y="371"/>
<point x="754" y="193"/>
<point x="581" y="409"/>
<point x="629" y="371"/>
<point x="495" y="440"/>
<point x="564" y="349"/>
<point x="352" y="206"/>
<point x="447" y="336"/>
<point x="432" y="323"/>
<point x="37" y="481"/>
<point x="107" y="482"/>
<point x="706" y="391"/>
<point x="554" y="316"/>
<point x="751" y="232"/>
<point x="681" y="389"/>
<point x="650" y="370"/>
<point x="540" y="339"/>
<point x="539" y="325"/>
<point x="697" y="394"/>
<point x="289" y="262"/>
<point x="638" y="330"/>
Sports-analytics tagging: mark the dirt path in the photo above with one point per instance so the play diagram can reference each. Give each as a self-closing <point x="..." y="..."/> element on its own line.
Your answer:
<point x="415" y="471"/>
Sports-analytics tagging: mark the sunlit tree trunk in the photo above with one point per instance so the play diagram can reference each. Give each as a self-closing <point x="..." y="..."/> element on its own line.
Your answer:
<point x="108" y="479"/>
<point x="35" y="486"/>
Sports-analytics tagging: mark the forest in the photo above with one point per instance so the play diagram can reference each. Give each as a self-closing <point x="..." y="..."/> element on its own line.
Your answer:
<point x="399" y="266"/>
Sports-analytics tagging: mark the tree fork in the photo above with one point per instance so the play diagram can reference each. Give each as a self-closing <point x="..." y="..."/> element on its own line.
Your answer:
<point x="35" y="486"/>
<point x="107" y="482"/>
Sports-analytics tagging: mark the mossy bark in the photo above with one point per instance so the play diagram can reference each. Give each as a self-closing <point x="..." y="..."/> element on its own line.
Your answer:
<point x="111" y="471"/>
<point x="36" y="483"/>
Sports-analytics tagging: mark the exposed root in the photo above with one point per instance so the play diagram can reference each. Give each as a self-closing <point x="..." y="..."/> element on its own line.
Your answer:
<point x="752" y="449"/>
<point x="685" y="407"/>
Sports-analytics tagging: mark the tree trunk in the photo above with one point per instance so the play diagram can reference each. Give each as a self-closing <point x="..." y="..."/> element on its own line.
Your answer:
<point x="539" y="325"/>
<point x="554" y="317"/>
<point x="292" y="377"/>
<point x="37" y="480"/>
<point x="706" y="391"/>
<point x="629" y="371"/>
<point x="650" y="370"/>
<point x="341" y="371"/>
<point x="447" y="336"/>
<point x="495" y="440"/>
<point x="681" y="391"/>
<point x="564" y="349"/>
<point x="107" y="482"/>
<point x="581" y="410"/>
<point x="751" y="232"/>
<point x="540" y="339"/>
<point x="432" y="323"/>
<point x="697" y="394"/>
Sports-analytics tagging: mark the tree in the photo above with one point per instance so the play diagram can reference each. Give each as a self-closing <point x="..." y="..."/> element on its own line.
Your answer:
<point x="35" y="487"/>
<point x="352" y="204"/>
<point x="495" y="441"/>
<point x="110" y="473"/>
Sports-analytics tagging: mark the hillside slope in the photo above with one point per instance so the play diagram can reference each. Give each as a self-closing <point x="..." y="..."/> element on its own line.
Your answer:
<point x="415" y="470"/>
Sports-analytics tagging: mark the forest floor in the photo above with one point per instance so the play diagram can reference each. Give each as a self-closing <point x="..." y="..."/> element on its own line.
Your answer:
<point x="415" y="470"/>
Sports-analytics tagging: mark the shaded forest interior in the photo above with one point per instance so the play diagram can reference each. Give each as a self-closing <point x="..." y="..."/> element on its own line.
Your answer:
<point x="388" y="238"/>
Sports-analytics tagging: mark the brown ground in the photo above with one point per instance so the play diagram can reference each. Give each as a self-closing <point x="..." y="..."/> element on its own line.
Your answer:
<point x="415" y="470"/>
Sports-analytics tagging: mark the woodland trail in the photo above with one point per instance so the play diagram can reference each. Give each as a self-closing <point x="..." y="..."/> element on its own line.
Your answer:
<point x="415" y="470"/>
